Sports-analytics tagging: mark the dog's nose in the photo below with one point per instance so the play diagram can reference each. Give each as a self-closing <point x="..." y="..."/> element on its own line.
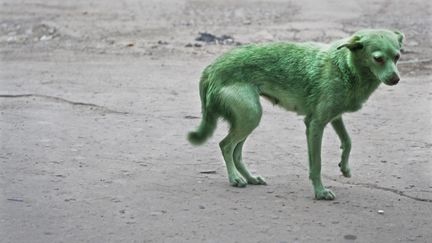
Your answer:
<point x="394" y="80"/>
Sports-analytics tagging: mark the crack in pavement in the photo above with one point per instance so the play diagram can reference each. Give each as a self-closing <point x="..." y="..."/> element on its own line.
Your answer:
<point x="108" y="110"/>
<point x="370" y="186"/>
<point x="63" y="100"/>
<point x="373" y="186"/>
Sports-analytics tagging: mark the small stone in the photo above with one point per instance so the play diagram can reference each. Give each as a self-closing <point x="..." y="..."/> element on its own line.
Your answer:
<point x="156" y="213"/>
<point x="46" y="37"/>
<point x="380" y="211"/>
<point x="350" y="237"/>
<point x="201" y="207"/>
<point x="247" y="22"/>
<point x="11" y="39"/>
<point x="208" y="172"/>
<point x="15" y="199"/>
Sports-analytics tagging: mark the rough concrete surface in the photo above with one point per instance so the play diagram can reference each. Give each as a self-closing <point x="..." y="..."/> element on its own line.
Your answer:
<point x="96" y="98"/>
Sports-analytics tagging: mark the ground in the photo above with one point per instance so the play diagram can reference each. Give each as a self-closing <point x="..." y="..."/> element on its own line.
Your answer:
<point x="96" y="99"/>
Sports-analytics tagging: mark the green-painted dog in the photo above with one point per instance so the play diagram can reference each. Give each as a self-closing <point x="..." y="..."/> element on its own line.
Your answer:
<point x="318" y="81"/>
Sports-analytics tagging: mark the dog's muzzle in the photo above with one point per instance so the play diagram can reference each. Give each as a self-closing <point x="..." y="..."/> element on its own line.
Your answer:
<point x="393" y="81"/>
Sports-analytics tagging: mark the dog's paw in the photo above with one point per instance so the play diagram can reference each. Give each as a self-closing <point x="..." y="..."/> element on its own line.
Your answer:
<point x="325" y="194"/>
<point x="345" y="171"/>
<point x="237" y="181"/>
<point x="256" y="180"/>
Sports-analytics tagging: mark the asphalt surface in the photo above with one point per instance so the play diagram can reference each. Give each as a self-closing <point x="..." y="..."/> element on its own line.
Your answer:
<point x="96" y="99"/>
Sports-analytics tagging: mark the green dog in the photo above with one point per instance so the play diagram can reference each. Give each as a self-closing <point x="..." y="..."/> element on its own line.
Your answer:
<point x="316" y="80"/>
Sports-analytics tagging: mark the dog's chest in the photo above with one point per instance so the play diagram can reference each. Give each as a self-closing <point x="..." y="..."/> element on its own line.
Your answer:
<point x="355" y="99"/>
<point x="352" y="105"/>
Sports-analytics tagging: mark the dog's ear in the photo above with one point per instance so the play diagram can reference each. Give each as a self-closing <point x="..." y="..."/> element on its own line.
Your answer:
<point x="400" y="37"/>
<point x="353" y="43"/>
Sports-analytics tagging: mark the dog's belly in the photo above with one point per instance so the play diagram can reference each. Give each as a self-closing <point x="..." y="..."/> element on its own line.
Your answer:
<point x="286" y="99"/>
<point x="292" y="104"/>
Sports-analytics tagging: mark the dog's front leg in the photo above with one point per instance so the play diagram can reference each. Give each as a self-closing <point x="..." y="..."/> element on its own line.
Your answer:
<point x="339" y="127"/>
<point x="314" y="133"/>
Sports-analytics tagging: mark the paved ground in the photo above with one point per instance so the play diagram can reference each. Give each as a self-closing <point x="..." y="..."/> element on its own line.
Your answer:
<point x="96" y="98"/>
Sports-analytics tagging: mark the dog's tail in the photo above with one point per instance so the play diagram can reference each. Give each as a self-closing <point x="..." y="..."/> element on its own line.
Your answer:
<point x="209" y="119"/>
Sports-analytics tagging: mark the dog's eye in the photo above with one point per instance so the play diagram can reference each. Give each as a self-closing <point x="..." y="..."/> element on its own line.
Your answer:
<point x="396" y="57"/>
<point x="379" y="59"/>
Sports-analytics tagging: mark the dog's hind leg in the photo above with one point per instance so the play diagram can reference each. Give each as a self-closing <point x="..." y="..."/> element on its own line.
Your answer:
<point x="339" y="127"/>
<point x="239" y="105"/>
<point x="314" y="133"/>
<point x="227" y="146"/>
<point x="242" y="168"/>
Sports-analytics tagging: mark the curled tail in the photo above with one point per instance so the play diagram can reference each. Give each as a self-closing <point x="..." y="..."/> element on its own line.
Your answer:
<point x="208" y="122"/>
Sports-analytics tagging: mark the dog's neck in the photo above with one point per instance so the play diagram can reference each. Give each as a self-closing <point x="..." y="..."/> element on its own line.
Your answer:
<point x="360" y="81"/>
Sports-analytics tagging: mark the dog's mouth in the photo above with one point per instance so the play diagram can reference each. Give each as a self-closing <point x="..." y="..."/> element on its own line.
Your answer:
<point x="392" y="83"/>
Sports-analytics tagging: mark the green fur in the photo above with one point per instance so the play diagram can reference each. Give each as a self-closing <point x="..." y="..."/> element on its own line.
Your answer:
<point x="316" y="80"/>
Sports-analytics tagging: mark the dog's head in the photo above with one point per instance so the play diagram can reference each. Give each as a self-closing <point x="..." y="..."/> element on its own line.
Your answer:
<point x="378" y="50"/>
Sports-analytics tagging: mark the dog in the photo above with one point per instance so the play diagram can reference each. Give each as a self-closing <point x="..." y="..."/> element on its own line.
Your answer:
<point x="318" y="81"/>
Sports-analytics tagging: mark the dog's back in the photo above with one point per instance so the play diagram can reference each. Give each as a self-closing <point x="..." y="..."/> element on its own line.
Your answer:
<point x="282" y="63"/>
<point x="283" y="72"/>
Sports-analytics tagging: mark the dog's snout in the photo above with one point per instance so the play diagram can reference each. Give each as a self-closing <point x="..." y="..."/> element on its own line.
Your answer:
<point x="395" y="80"/>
